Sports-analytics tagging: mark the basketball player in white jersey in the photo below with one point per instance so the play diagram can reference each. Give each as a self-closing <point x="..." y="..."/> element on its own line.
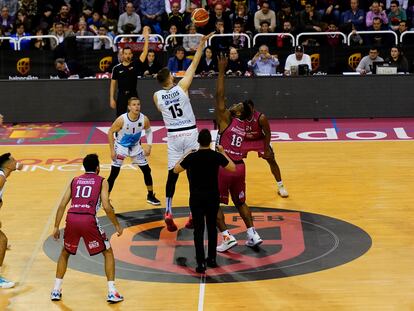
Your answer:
<point x="127" y="130"/>
<point x="7" y="165"/>
<point x="174" y="103"/>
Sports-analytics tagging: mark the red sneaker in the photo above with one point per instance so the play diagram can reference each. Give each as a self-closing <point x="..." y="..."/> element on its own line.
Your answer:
<point x="169" y="221"/>
<point x="189" y="224"/>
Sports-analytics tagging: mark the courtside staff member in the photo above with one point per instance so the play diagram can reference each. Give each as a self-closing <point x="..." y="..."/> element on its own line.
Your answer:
<point x="125" y="75"/>
<point x="203" y="167"/>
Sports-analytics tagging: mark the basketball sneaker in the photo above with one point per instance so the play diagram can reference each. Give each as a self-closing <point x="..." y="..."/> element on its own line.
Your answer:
<point x="229" y="241"/>
<point x="254" y="240"/>
<point x="282" y="192"/>
<point x="169" y="221"/>
<point x="189" y="224"/>
<point x="114" y="297"/>
<point x="151" y="199"/>
<point x="56" y="295"/>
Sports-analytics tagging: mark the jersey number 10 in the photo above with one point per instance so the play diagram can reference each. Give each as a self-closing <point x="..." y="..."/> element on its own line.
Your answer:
<point x="83" y="191"/>
<point x="176" y="111"/>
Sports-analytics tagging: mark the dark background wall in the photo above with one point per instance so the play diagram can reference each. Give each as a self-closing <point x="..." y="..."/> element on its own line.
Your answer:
<point x="277" y="97"/>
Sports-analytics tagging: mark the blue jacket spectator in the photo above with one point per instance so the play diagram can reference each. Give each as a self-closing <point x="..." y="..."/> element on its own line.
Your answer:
<point x="152" y="11"/>
<point x="354" y="16"/>
<point x="178" y="62"/>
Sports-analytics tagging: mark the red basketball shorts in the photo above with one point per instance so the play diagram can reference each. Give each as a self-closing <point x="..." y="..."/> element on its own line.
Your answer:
<point x="84" y="226"/>
<point x="233" y="183"/>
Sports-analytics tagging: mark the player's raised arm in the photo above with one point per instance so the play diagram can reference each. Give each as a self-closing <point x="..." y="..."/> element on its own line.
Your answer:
<point x="185" y="82"/>
<point x="222" y="114"/>
<point x="144" y="53"/>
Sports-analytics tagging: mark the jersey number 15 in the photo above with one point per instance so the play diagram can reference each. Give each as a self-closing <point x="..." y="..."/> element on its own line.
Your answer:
<point x="176" y="111"/>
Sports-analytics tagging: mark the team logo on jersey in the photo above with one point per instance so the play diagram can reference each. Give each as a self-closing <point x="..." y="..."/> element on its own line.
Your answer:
<point x="295" y="243"/>
<point x="105" y="63"/>
<point x="23" y="66"/>
<point x="31" y="133"/>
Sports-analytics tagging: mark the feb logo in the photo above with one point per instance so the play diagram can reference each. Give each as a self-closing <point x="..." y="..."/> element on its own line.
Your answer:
<point x="105" y="63"/>
<point x="23" y="66"/>
<point x="295" y="243"/>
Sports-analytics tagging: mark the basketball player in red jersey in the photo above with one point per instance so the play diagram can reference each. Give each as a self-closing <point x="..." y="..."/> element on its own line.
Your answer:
<point x="231" y="135"/>
<point x="86" y="193"/>
<point x="258" y="139"/>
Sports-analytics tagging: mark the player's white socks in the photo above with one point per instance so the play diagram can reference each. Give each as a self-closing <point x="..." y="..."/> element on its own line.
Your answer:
<point x="280" y="184"/>
<point x="58" y="284"/>
<point x="111" y="286"/>
<point x="168" y="205"/>
<point x="251" y="231"/>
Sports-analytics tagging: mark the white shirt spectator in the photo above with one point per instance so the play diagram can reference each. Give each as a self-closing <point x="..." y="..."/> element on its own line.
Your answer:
<point x="296" y="59"/>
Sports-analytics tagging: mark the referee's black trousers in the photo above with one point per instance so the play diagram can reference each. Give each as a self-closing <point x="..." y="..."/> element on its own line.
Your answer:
<point x="205" y="208"/>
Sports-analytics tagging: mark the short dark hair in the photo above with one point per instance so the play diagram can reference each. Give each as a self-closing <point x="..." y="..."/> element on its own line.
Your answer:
<point x="265" y="22"/>
<point x="133" y="98"/>
<point x="163" y="75"/>
<point x="179" y="49"/>
<point x="4" y="158"/>
<point x="204" y="138"/>
<point x="126" y="48"/>
<point x="91" y="162"/>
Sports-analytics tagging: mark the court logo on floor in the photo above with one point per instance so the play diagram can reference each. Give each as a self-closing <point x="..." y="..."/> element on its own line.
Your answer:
<point x="295" y="243"/>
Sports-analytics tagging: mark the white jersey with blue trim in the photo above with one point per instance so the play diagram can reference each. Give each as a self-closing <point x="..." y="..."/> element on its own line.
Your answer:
<point x="2" y="189"/>
<point x="175" y="107"/>
<point x="130" y="133"/>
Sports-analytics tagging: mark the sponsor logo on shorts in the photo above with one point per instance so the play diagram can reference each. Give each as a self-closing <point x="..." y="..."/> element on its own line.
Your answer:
<point x="93" y="244"/>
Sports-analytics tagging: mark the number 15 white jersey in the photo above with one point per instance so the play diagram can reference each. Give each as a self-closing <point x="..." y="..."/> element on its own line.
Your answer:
<point x="176" y="109"/>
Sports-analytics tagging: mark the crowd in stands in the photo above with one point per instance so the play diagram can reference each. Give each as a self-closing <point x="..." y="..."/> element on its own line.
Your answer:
<point x="70" y="18"/>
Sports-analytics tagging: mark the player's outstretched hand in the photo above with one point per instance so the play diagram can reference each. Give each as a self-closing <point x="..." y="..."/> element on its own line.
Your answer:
<point x="146" y="31"/>
<point x="220" y="148"/>
<point x="56" y="233"/>
<point x="222" y="62"/>
<point x="147" y="150"/>
<point x="206" y="37"/>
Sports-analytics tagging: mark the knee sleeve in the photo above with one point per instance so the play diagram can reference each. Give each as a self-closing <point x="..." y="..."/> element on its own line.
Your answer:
<point x="112" y="176"/>
<point x="146" y="170"/>
<point x="171" y="181"/>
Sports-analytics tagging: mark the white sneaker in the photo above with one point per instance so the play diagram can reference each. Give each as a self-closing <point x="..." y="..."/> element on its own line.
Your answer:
<point x="6" y="283"/>
<point x="56" y="295"/>
<point x="229" y="241"/>
<point x="254" y="240"/>
<point x="114" y="297"/>
<point x="282" y="192"/>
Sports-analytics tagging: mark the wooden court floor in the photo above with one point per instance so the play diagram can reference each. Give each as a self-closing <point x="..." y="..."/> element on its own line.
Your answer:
<point x="369" y="184"/>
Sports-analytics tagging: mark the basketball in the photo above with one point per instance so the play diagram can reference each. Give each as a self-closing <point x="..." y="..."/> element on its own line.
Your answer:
<point x="200" y="17"/>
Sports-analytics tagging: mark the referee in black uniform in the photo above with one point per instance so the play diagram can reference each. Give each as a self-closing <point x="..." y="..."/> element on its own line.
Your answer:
<point x="202" y="167"/>
<point x="125" y="74"/>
